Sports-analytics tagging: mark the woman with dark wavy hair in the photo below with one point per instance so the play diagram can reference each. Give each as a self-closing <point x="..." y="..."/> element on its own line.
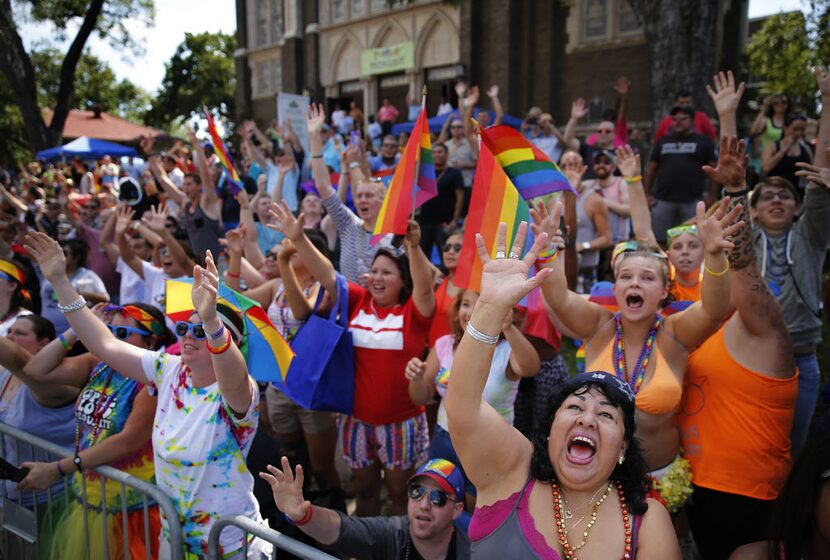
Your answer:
<point x="579" y="488"/>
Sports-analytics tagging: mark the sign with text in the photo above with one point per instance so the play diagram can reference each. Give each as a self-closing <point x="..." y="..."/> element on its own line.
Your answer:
<point x="293" y="108"/>
<point x="388" y="59"/>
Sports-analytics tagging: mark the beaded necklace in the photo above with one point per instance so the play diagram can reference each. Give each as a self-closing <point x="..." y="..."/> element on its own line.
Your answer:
<point x="99" y="409"/>
<point x="620" y="365"/>
<point x="283" y="307"/>
<point x="568" y="551"/>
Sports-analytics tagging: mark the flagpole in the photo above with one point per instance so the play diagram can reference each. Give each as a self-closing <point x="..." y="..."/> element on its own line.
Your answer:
<point x="418" y="167"/>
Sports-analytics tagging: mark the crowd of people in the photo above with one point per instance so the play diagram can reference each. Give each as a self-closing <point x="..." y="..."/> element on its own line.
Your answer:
<point x="686" y="271"/>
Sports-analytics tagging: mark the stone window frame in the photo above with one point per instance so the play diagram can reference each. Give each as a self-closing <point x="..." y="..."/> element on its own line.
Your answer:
<point x="613" y="36"/>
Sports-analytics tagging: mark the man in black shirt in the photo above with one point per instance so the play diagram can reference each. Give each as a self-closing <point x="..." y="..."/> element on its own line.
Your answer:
<point x="439" y="216"/>
<point x="675" y="181"/>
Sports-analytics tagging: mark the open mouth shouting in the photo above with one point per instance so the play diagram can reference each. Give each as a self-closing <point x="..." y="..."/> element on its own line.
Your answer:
<point x="581" y="449"/>
<point x="634" y="302"/>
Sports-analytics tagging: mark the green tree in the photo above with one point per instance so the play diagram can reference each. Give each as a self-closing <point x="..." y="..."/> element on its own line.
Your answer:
<point x="780" y="54"/>
<point x="105" y="17"/>
<point x="200" y="72"/>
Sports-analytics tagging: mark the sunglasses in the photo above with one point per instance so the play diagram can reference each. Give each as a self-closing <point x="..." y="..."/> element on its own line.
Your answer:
<point x="605" y="131"/>
<point x="691" y="229"/>
<point x="197" y="329"/>
<point x="270" y="255"/>
<point x="452" y="247"/>
<point x="122" y="333"/>
<point x="630" y="247"/>
<point x="438" y="498"/>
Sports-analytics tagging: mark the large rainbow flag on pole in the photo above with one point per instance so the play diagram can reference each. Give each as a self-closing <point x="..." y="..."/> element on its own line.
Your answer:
<point x="222" y="153"/>
<point x="494" y="199"/>
<point x="526" y="165"/>
<point x="413" y="183"/>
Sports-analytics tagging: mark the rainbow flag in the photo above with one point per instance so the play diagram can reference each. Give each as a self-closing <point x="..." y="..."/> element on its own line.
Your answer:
<point x="526" y="165"/>
<point x="222" y="153"/>
<point x="413" y="183"/>
<point x="494" y="200"/>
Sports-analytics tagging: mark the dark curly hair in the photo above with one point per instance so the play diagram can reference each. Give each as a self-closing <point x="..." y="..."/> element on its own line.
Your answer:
<point x="402" y="263"/>
<point x="631" y="474"/>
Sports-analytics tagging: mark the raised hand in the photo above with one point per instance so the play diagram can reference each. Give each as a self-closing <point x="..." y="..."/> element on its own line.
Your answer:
<point x="48" y="255"/>
<point x="574" y="171"/>
<point x="715" y="229"/>
<point x="628" y="162"/>
<point x="493" y="91"/>
<point x="156" y="218"/>
<point x="316" y="119"/>
<point x="460" y="89"/>
<point x="287" y="250"/>
<point x="235" y="240"/>
<point x="818" y="175"/>
<point x="191" y="135"/>
<point x="725" y="96"/>
<point x="146" y="143"/>
<point x="823" y="79"/>
<point x="123" y="218"/>
<point x="547" y="222"/>
<point x="413" y="236"/>
<point x="242" y="195"/>
<point x="415" y="369"/>
<point x="472" y="97"/>
<point x="288" y="489"/>
<point x="504" y="280"/>
<point x="285" y="221"/>
<point x="205" y="288"/>
<point x="732" y="164"/>
<point x="622" y="85"/>
<point x="578" y="109"/>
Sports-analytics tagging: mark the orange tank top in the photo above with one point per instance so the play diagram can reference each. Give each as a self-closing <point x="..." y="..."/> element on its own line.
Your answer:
<point x="682" y="293"/>
<point x="659" y="395"/>
<point x="735" y="423"/>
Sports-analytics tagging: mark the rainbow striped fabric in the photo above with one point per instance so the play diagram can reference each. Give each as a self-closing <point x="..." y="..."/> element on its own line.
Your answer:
<point x="222" y="153"/>
<point x="413" y="183"/>
<point x="527" y="166"/>
<point x="494" y="200"/>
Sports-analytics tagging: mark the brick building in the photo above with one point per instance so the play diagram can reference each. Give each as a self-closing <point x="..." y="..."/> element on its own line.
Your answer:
<point x="540" y="52"/>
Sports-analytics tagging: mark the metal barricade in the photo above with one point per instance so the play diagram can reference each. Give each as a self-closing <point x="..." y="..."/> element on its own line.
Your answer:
<point x="279" y="540"/>
<point x="19" y="525"/>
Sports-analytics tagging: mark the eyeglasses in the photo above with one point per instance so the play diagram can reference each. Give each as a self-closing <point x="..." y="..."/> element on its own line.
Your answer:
<point x="271" y="255"/>
<point x="456" y="126"/>
<point x="676" y="231"/>
<point x="438" y="498"/>
<point x="605" y="130"/>
<point x="197" y="329"/>
<point x="122" y="333"/>
<point x="452" y="247"/>
<point x="783" y="196"/>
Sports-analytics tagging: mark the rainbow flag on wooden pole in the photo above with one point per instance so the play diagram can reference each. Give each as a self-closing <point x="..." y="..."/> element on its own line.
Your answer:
<point x="530" y="170"/>
<point x="222" y="154"/>
<point x="494" y="199"/>
<point x="413" y="183"/>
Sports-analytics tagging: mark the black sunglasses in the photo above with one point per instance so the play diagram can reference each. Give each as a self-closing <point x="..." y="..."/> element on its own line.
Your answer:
<point x="122" y="333"/>
<point x="182" y="327"/>
<point x="438" y="498"/>
<point x="454" y="246"/>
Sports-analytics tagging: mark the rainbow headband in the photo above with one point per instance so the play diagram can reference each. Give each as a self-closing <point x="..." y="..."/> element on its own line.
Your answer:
<point x="143" y="318"/>
<point x="14" y="272"/>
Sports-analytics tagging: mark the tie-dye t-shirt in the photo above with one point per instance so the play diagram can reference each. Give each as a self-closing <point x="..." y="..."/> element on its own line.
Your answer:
<point x="106" y="402"/>
<point x="200" y="448"/>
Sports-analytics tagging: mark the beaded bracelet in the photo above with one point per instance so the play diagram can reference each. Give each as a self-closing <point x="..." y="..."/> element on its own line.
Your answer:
<point x="480" y="336"/>
<point x="634" y="179"/>
<point x="79" y="303"/>
<point x="306" y="518"/>
<point x="715" y="274"/>
<point x="221" y="349"/>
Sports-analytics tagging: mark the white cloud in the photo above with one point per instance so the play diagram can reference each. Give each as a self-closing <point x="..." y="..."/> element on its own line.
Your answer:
<point x="759" y="8"/>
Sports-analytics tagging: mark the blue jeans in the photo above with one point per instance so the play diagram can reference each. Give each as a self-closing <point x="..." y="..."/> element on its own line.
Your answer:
<point x="805" y="404"/>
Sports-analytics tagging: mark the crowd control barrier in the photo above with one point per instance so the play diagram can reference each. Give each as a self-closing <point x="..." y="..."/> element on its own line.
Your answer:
<point x="280" y="541"/>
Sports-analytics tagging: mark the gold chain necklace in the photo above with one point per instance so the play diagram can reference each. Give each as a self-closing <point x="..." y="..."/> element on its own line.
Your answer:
<point x="558" y="507"/>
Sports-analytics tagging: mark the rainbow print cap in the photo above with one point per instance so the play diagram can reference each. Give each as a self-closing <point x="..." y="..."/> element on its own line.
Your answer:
<point x="445" y="474"/>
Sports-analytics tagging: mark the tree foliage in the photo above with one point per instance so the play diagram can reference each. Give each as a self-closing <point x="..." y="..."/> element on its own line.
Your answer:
<point x="200" y="72"/>
<point x="107" y="18"/>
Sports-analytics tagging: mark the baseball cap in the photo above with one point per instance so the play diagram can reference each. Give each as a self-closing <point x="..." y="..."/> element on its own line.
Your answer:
<point x="445" y="474"/>
<point x="612" y="384"/>
<point x="604" y="153"/>
<point x="682" y="109"/>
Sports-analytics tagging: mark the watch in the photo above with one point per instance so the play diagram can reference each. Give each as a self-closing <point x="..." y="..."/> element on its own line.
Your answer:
<point x="77" y="462"/>
<point x="586" y="246"/>
<point x="354" y="165"/>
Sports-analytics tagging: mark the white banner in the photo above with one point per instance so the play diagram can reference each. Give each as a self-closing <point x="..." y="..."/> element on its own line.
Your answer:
<point x="293" y="108"/>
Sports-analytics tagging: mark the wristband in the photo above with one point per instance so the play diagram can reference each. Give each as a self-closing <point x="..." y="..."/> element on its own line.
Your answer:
<point x="219" y="332"/>
<point x="634" y="179"/>
<point x="64" y="342"/>
<point x="60" y="470"/>
<point x="545" y="257"/>
<point x="735" y="194"/>
<point x="79" y="303"/>
<point x="707" y="270"/>
<point x="221" y="349"/>
<point x="480" y="336"/>
<point x="318" y="156"/>
<point x="231" y="275"/>
<point x="306" y="518"/>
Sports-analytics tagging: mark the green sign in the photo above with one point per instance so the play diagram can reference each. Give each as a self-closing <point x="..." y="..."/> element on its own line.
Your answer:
<point x="387" y="59"/>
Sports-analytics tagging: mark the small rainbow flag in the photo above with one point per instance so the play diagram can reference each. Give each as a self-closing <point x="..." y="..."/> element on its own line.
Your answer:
<point x="413" y="183"/>
<point x="494" y="200"/>
<point x="222" y="153"/>
<point x="526" y="165"/>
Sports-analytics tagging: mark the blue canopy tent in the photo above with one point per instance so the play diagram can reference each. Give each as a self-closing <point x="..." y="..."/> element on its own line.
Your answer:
<point x="437" y="123"/>
<point x="86" y="148"/>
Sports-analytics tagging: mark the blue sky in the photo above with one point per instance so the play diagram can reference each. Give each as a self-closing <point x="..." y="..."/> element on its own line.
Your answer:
<point x="175" y="17"/>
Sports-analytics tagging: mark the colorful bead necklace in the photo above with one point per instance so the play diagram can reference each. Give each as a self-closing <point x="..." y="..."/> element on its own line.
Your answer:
<point x="568" y="551"/>
<point x="620" y="366"/>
